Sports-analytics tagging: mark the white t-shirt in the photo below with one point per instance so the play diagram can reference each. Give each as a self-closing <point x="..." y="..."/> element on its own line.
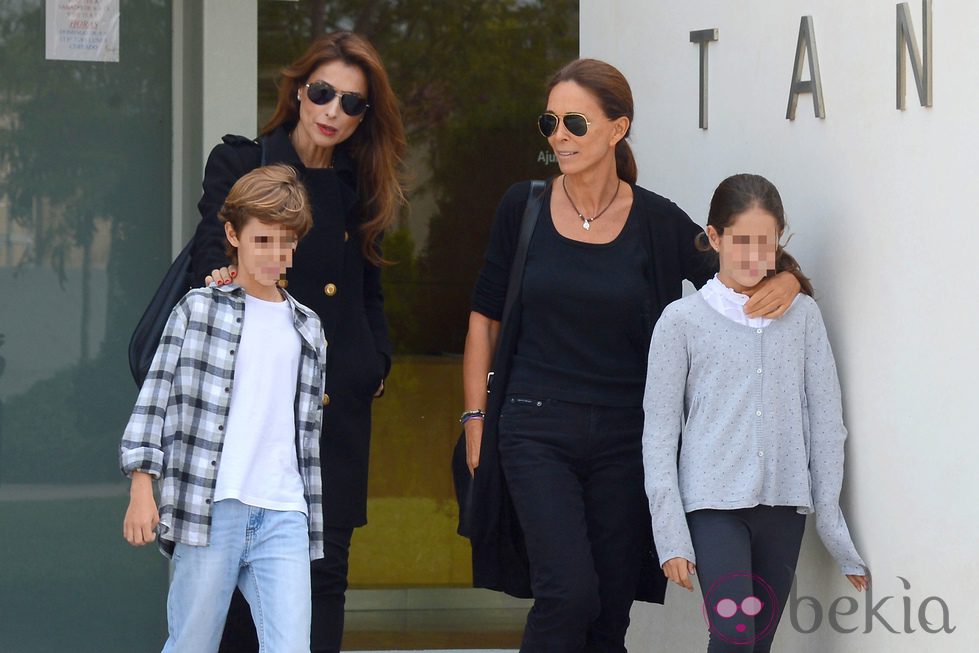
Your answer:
<point x="259" y="463"/>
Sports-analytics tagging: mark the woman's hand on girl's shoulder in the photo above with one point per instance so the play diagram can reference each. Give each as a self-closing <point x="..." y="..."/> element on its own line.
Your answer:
<point x="679" y="571"/>
<point x="772" y="297"/>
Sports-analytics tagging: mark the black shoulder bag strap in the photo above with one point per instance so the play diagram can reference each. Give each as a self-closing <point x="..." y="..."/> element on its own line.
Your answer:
<point x="527" y="226"/>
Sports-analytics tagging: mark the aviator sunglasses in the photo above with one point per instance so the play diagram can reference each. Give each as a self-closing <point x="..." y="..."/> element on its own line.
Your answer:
<point x="575" y="123"/>
<point x="353" y="104"/>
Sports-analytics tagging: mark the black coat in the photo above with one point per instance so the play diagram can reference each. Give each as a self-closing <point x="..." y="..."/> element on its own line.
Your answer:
<point x="331" y="276"/>
<point x="487" y="516"/>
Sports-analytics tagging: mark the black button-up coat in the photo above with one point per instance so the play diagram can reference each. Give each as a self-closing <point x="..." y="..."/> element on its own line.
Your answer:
<point x="331" y="276"/>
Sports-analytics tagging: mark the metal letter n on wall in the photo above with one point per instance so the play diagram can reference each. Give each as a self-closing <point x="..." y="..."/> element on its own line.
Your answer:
<point x="921" y="63"/>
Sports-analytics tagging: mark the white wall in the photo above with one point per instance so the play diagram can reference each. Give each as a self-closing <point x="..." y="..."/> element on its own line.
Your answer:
<point x="882" y="203"/>
<point x="230" y="69"/>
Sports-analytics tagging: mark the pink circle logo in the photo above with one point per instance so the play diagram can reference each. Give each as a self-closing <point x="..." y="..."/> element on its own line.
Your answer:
<point x="740" y="608"/>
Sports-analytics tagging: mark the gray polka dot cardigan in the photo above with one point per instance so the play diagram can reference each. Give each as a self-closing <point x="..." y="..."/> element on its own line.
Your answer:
<point x="761" y="420"/>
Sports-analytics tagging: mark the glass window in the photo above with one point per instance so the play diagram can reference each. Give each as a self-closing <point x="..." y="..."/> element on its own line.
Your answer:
<point x="471" y="77"/>
<point x="85" y="194"/>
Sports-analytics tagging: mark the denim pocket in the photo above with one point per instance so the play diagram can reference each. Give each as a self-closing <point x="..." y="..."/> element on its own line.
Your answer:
<point x="519" y="411"/>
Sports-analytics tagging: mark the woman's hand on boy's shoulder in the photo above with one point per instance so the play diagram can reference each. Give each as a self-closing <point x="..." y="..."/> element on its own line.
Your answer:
<point x="222" y="276"/>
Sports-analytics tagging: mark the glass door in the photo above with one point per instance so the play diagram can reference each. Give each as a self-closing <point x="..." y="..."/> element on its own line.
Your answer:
<point x="471" y="76"/>
<point x="85" y="222"/>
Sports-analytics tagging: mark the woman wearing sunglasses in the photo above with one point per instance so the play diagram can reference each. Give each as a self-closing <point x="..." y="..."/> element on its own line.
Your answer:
<point x="605" y="258"/>
<point x="337" y="122"/>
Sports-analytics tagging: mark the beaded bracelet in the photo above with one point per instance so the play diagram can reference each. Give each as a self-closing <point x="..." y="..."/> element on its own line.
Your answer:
<point x="471" y="414"/>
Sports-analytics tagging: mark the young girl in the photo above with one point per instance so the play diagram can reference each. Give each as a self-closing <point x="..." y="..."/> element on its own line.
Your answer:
<point x="758" y="404"/>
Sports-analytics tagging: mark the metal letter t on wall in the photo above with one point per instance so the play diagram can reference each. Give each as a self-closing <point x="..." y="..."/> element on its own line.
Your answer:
<point x="703" y="37"/>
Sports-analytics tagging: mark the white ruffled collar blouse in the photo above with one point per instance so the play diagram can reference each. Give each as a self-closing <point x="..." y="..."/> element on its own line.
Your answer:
<point x="730" y="304"/>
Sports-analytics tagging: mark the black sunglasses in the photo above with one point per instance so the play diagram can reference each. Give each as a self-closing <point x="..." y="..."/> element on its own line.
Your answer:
<point x="353" y="104"/>
<point x="575" y="123"/>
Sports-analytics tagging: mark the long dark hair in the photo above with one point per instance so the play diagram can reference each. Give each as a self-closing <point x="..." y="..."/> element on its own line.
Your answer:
<point x="610" y="88"/>
<point x="377" y="146"/>
<point x="739" y="193"/>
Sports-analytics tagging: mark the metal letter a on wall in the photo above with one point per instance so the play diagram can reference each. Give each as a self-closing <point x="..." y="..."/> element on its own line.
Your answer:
<point x="806" y="47"/>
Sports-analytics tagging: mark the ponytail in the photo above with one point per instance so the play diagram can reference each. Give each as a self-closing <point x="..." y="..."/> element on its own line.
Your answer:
<point x="785" y="262"/>
<point x="625" y="163"/>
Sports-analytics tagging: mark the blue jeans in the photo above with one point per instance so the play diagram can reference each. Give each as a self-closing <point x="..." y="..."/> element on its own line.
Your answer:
<point x="329" y="582"/>
<point x="263" y="552"/>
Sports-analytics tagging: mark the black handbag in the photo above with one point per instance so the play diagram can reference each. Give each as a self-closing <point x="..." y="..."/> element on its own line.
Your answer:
<point x="146" y="336"/>
<point x="176" y="282"/>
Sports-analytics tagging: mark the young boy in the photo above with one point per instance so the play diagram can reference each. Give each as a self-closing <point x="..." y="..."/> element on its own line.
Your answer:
<point x="228" y="421"/>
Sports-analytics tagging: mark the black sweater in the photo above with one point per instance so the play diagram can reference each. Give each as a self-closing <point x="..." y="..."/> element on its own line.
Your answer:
<point x="583" y="312"/>
<point x="586" y="311"/>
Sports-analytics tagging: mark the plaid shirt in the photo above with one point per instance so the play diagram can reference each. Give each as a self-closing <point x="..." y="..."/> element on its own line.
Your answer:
<point x="176" y="431"/>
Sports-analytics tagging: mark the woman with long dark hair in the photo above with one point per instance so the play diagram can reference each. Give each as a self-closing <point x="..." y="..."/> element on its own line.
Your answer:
<point x="337" y="122"/>
<point x="605" y="257"/>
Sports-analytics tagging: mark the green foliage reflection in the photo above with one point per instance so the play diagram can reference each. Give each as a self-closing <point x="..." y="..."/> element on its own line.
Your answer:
<point x="471" y="77"/>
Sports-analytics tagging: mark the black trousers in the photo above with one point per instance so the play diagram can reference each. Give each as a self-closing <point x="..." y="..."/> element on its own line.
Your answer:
<point x="575" y="475"/>
<point x="746" y="561"/>
<point x="329" y="584"/>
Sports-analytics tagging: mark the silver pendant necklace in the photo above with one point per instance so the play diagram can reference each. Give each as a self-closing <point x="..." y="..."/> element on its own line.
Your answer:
<point x="586" y="222"/>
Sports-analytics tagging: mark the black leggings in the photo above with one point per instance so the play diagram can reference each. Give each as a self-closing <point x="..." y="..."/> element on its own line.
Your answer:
<point x="741" y="554"/>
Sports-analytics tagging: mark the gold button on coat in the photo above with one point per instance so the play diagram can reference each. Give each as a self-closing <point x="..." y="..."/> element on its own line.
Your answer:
<point x="346" y="236"/>
<point x="326" y="399"/>
<point x="330" y="289"/>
